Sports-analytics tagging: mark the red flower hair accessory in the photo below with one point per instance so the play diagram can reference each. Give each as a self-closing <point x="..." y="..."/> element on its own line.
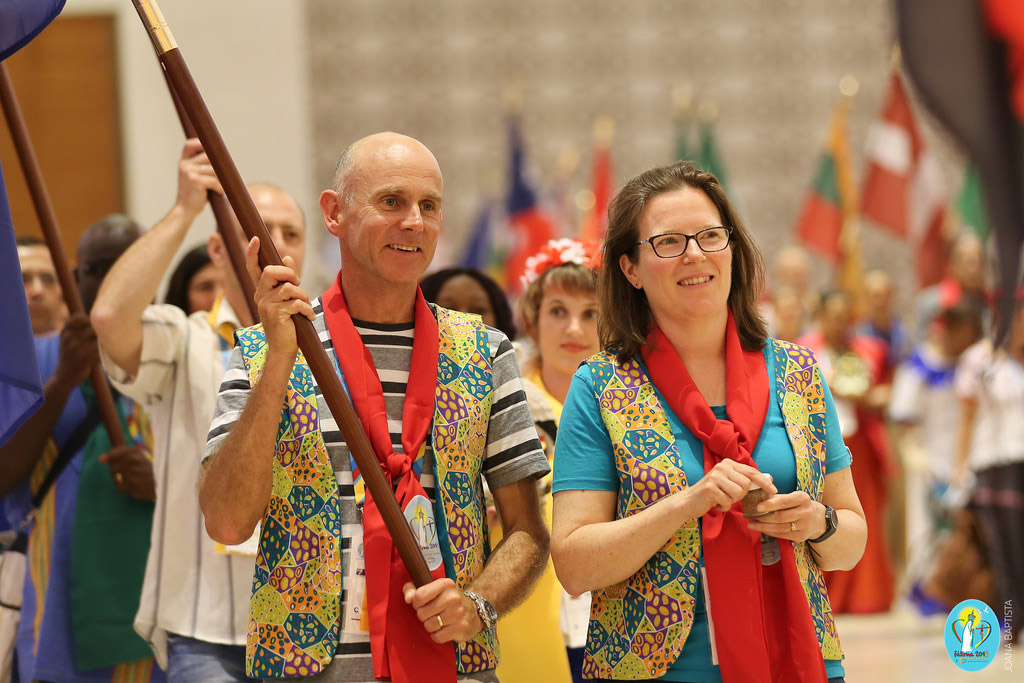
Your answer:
<point x="559" y="252"/>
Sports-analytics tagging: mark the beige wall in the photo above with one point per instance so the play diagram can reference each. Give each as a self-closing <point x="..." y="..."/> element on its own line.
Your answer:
<point x="249" y="61"/>
<point x="291" y="83"/>
<point x="439" y="71"/>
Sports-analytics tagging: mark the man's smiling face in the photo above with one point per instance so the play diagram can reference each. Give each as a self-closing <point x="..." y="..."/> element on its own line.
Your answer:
<point x="390" y="220"/>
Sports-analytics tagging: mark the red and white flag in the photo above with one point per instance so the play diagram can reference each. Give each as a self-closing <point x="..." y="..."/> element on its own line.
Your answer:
<point x="904" y="192"/>
<point x="602" y="183"/>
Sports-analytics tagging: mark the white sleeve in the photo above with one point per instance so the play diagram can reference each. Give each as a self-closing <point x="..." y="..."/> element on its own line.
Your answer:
<point x="164" y="331"/>
<point x="970" y="370"/>
<point x="907" y="395"/>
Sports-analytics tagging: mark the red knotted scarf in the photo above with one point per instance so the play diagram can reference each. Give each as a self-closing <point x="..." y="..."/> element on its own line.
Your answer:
<point x="763" y="627"/>
<point x="402" y="649"/>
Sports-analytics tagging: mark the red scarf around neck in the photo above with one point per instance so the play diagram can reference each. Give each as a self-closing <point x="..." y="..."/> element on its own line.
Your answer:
<point x="402" y="649"/>
<point x="762" y="621"/>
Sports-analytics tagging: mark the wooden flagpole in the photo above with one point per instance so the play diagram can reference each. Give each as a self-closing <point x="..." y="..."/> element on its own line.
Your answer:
<point x="51" y="234"/>
<point x="337" y="400"/>
<point x="234" y="241"/>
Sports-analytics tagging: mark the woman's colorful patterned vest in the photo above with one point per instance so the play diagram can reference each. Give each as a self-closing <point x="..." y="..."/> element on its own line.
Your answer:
<point x="638" y="627"/>
<point x="294" y="614"/>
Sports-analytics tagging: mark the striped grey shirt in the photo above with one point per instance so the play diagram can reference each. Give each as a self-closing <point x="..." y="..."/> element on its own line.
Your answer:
<point x="513" y="451"/>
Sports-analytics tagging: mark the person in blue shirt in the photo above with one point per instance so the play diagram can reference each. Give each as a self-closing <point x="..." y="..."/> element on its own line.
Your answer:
<point x="46" y="645"/>
<point x="689" y="407"/>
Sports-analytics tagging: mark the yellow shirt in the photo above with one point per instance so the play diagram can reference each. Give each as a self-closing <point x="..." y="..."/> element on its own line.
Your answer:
<point x="532" y="646"/>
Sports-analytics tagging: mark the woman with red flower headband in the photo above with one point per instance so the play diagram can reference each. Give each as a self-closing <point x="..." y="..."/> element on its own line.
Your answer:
<point x="558" y="309"/>
<point x="690" y="406"/>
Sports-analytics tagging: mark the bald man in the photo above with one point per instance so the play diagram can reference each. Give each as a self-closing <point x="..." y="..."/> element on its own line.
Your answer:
<point x="195" y="598"/>
<point x="441" y="397"/>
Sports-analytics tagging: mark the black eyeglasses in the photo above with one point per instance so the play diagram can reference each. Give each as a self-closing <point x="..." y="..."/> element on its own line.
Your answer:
<point x="673" y="244"/>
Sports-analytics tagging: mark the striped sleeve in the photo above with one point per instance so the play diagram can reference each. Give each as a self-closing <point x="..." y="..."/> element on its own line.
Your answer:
<point x="231" y="400"/>
<point x="513" y="450"/>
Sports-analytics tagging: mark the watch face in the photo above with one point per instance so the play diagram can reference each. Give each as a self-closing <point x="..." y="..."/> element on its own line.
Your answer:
<point x="833" y="518"/>
<point x="485" y="610"/>
<point x="492" y="614"/>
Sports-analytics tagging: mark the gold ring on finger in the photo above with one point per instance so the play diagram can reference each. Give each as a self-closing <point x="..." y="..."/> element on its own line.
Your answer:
<point x="118" y="477"/>
<point x="792" y="526"/>
<point x="440" y="621"/>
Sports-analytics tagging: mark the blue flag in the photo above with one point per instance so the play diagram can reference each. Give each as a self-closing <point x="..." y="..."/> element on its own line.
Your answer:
<point x="22" y="20"/>
<point x="529" y="226"/>
<point x="21" y="390"/>
<point x="481" y="240"/>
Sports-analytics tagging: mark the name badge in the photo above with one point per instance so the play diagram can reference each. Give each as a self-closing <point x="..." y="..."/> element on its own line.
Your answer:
<point x="356" y="621"/>
<point x="707" y="608"/>
<point x="419" y="513"/>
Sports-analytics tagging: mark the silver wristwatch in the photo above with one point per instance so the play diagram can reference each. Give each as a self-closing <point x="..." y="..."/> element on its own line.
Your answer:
<point x="484" y="609"/>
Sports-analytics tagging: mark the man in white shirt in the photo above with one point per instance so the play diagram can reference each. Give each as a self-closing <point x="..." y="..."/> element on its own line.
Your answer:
<point x="194" y="605"/>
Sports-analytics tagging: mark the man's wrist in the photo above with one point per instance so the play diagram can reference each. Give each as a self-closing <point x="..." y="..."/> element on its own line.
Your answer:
<point x="280" y="362"/>
<point x="276" y="373"/>
<point x="181" y="217"/>
<point x="59" y="386"/>
<point x="485" y="611"/>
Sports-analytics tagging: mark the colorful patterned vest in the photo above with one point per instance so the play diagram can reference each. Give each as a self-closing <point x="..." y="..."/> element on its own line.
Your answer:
<point x="294" y="614"/>
<point x="638" y="627"/>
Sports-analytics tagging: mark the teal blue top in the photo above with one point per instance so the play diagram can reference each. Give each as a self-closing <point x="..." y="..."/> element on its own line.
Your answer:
<point x="584" y="461"/>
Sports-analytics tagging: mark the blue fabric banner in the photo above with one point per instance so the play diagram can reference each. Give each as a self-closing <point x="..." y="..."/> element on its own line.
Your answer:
<point x="22" y="20"/>
<point x="21" y="390"/>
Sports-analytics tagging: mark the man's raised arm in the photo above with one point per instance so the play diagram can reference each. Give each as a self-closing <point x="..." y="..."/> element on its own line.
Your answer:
<point x="132" y="282"/>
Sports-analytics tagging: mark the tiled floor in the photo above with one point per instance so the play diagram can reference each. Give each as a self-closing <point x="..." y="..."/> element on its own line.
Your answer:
<point x="899" y="646"/>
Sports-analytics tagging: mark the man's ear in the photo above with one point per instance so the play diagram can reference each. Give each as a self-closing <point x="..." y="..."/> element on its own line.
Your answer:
<point x="218" y="253"/>
<point x="330" y="207"/>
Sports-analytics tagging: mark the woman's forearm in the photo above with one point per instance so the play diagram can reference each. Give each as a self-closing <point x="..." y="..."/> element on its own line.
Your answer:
<point x="843" y="549"/>
<point x="600" y="554"/>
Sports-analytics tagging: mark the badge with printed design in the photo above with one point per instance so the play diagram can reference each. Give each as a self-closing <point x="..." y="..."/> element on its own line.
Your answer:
<point x="355" y="620"/>
<point x="972" y="635"/>
<point x="419" y="513"/>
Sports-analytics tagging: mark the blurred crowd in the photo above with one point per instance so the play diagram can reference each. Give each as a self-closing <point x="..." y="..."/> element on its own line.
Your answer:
<point x="929" y="406"/>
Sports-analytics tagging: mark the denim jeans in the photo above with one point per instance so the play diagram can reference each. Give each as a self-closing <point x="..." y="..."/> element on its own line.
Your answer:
<point x="190" y="660"/>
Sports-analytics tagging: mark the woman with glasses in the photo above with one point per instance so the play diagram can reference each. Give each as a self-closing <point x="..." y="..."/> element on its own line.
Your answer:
<point x="689" y="408"/>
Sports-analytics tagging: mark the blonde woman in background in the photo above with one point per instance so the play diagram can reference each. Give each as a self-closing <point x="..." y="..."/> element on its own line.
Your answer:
<point x="558" y="310"/>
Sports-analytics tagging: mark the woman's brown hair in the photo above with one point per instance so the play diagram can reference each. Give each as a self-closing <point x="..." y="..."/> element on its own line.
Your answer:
<point x="625" y="314"/>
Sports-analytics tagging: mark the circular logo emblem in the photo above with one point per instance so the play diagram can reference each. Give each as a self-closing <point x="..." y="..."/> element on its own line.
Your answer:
<point x="972" y="635"/>
<point x="420" y="515"/>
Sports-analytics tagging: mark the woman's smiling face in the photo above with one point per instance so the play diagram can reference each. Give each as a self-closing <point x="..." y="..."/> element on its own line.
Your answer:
<point x="693" y="285"/>
<point x="566" y="328"/>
